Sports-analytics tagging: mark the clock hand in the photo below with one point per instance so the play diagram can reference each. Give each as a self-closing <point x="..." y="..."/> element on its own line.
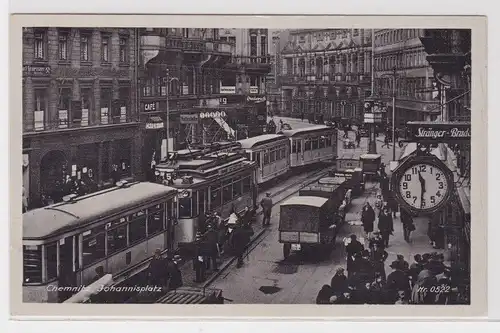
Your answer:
<point x="422" y="186"/>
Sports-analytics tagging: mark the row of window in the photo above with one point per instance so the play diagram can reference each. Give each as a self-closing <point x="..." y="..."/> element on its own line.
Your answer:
<point x="401" y="60"/>
<point x="411" y="87"/>
<point x="395" y="36"/>
<point x="98" y="242"/>
<point x="66" y="42"/>
<point x="158" y="86"/>
<point x="72" y="114"/>
<point x="270" y="156"/>
<point x="311" y="144"/>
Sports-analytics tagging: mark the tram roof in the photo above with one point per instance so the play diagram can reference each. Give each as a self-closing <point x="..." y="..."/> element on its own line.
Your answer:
<point x="306" y="130"/>
<point x="260" y="139"/>
<point x="305" y="201"/>
<point x="63" y="217"/>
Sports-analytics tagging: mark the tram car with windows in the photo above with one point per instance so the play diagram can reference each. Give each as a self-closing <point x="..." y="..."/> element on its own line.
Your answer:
<point x="271" y="153"/>
<point x="311" y="145"/>
<point x="220" y="182"/>
<point x="115" y="231"/>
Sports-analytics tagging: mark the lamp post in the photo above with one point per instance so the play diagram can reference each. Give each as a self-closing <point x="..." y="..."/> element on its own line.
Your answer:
<point x="169" y="80"/>
<point x="393" y="75"/>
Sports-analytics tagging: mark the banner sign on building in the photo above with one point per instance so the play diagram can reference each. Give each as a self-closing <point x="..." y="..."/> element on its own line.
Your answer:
<point x="36" y="70"/>
<point x="254" y="90"/>
<point x="432" y="132"/>
<point x="228" y="90"/>
<point x="189" y="118"/>
<point x="212" y="114"/>
<point x="256" y="99"/>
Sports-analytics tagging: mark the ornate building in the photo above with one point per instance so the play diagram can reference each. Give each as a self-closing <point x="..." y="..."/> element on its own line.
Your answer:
<point x="80" y="120"/>
<point x="326" y="72"/>
<point x="402" y="51"/>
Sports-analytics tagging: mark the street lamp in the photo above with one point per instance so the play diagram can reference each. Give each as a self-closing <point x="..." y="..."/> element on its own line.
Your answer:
<point x="393" y="75"/>
<point x="169" y="80"/>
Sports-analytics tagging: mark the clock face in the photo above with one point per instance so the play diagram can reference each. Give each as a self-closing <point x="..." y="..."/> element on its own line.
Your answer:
<point x="423" y="186"/>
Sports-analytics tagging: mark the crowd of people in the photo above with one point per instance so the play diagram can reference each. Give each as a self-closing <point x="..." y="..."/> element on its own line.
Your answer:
<point x="426" y="281"/>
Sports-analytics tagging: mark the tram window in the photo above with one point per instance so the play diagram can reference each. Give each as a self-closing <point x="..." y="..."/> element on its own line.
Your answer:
<point x="215" y="198"/>
<point x="266" y="158"/>
<point x="194" y="203"/>
<point x="246" y="185"/>
<point x="201" y="201"/>
<point x="299" y="146"/>
<point x="272" y="156"/>
<point x="227" y="193"/>
<point x="307" y="145"/>
<point x="117" y="239"/>
<point x="51" y="260"/>
<point x="93" y="245"/>
<point x="156" y="215"/>
<point x="321" y="143"/>
<point x="137" y="229"/>
<point x="237" y="190"/>
<point x="328" y="141"/>
<point x="315" y="143"/>
<point x="248" y="156"/>
<point x="32" y="264"/>
<point x="185" y="207"/>
<point x="257" y="158"/>
<point x="294" y="147"/>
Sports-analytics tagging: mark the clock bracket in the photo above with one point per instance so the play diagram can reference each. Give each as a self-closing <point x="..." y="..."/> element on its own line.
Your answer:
<point x="424" y="148"/>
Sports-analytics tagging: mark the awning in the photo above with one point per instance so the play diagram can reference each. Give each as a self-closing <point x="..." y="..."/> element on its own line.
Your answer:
<point x="155" y="119"/>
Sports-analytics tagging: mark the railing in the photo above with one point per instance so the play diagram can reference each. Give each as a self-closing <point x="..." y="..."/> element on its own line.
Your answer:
<point x="324" y="78"/>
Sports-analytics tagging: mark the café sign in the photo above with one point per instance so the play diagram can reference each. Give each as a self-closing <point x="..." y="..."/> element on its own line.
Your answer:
<point x="439" y="132"/>
<point x="189" y="118"/>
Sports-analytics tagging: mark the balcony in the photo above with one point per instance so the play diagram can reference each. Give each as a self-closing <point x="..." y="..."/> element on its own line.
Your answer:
<point x="255" y="64"/>
<point x="308" y="79"/>
<point x="158" y="42"/>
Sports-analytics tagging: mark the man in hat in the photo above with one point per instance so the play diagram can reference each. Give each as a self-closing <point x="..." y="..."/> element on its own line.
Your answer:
<point x="354" y="247"/>
<point x="267" y="206"/>
<point x="175" y="274"/>
<point x="385" y="225"/>
<point x="157" y="270"/>
<point x="339" y="282"/>
<point x="198" y="262"/>
<point x="397" y="281"/>
<point x="379" y="256"/>
<point x="211" y="239"/>
<point x="404" y="264"/>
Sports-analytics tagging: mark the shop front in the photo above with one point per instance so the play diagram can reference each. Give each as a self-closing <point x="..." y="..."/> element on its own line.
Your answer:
<point x="62" y="163"/>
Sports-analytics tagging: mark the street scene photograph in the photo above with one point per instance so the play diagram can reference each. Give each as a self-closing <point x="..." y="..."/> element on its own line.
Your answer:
<point x="246" y="166"/>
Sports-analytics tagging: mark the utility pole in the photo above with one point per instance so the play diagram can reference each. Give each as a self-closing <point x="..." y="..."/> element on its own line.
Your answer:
<point x="372" y="142"/>
<point x="394" y="114"/>
<point x="169" y="80"/>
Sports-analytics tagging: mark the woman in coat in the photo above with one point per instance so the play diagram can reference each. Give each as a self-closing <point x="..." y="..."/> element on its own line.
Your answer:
<point x="385" y="225"/>
<point x="368" y="217"/>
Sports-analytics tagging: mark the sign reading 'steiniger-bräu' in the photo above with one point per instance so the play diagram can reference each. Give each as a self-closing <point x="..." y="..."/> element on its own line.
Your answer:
<point x="441" y="132"/>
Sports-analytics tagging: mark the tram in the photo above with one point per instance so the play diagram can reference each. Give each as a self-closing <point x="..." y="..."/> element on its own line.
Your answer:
<point x="311" y="145"/>
<point x="222" y="181"/>
<point x="115" y="231"/>
<point x="271" y="153"/>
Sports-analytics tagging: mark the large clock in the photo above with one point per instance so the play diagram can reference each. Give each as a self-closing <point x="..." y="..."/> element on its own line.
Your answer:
<point x="422" y="184"/>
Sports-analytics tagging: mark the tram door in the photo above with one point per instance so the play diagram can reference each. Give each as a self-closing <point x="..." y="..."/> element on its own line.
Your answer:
<point x="66" y="264"/>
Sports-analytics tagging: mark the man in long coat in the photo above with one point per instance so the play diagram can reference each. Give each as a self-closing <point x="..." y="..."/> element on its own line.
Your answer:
<point x="368" y="217"/>
<point x="385" y="226"/>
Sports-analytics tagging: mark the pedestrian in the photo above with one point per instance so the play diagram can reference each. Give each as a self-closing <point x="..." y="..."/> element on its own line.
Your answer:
<point x="281" y="124"/>
<point x="346" y="132"/>
<point x="302" y="116"/>
<point x="368" y="217"/>
<point x="358" y="138"/>
<point x="435" y="264"/>
<point x="339" y="282"/>
<point x="211" y="237"/>
<point x="175" y="273"/>
<point x="386" y="226"/>
<point x="386" y="141"/>
<point x="415" y="269"/>
<point x="157" y="270"/>
<point x="324" y="295"/>
<point x="403" y="263"/>
<point x="392" y="204"/>
<point x="397" y="281"/>
<point x="364" y="268"/>
<point x="354" y="247"/>
<point x="267" y="206"/>
<point x="239" y="241"/>
<point x="421" y="291"/>
<point x="402" y="298"/>
<point x="115" y="175"/>
<point x="378" y="290"/>
<point x="198" y="260"/>
<point x="408" y="225"/>
<point x="379" y="256"/>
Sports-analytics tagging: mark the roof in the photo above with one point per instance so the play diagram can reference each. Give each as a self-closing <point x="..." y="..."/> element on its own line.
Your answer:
<point x="305" y="201"/>
<point x="306" y="130"/>
<point x="63" y="217"/>
<point x="260" y="139"/>
<point x="332" y="181"/>
<point x="370" y="156"/>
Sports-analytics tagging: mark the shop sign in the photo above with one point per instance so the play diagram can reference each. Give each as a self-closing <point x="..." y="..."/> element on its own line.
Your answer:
<point x="256" y="99"/>
<point x="36" y="70"/>
<point x="216" y="114"/>
<point x="153" y="126"/>
<point x="228" y="90"/>
<point x="229" y="169"/>
<point x="189" y="118"/>
<point x="372" y="118"/>
<point x="254" y="90"/>
<point x="439" y="131"/>
<point x="72" y="72"/>
<point x="148" y="107"/>
<point x="347" y="164"/>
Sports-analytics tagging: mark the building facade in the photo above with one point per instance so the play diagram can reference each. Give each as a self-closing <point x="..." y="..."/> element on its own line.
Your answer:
<point x="278" y="40"/>
<point x="449" y="54"/>
<point x="326" y="72"/>
<point x="400" y="51"/>
<point x="80" y="120"/>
